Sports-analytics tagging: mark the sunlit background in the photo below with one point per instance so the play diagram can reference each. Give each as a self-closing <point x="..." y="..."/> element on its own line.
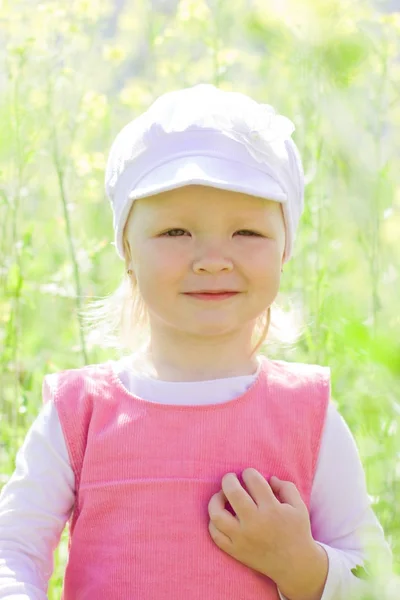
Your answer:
<point x="73" y="72"/>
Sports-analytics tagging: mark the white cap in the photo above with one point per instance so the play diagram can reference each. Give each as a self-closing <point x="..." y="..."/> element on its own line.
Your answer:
<point x="207" y="136"/>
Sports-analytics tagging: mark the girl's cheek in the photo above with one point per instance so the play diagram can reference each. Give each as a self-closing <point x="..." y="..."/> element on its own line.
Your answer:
<point x="169" y="262"/>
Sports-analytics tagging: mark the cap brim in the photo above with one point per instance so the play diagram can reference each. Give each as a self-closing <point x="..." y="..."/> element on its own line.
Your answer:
<point x="209" y="171"/>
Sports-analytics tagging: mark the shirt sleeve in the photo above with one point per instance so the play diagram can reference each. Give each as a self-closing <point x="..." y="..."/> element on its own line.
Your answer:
<point x="341" y="515"/>
<point x="35" y="505"/>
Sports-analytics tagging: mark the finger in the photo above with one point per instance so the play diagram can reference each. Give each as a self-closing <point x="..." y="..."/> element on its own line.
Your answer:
<point x="223" y="541"/>
<point x="221" y="518"/>
<point x="258" y="487"/>
<point x="241" y="502"/>
<point x="288" y="492"/>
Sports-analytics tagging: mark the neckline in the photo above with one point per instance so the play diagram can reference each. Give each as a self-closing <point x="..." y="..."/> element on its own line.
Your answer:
<point x="262" y="376"/>
<point x="126" y="362"/>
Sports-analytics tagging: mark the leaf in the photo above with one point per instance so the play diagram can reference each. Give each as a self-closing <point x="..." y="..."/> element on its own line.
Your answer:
<point x="360" y="572"/>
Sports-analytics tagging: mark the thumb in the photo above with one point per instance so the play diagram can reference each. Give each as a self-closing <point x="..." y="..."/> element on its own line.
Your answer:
<point x="288" y="492"/>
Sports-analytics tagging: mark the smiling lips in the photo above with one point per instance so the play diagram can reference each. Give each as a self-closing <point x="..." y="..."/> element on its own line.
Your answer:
<point x="214" y="292"/>
<point x="211" y="295"/>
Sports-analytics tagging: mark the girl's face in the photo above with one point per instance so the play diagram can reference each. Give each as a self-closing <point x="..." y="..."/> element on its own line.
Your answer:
<point x="202" y="238"/>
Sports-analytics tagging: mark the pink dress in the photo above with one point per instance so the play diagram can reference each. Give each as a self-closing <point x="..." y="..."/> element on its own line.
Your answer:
<point x="145" y="473"/>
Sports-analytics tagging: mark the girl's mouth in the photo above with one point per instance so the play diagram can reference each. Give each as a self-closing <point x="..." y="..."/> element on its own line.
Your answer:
<point x="212" y="296"/>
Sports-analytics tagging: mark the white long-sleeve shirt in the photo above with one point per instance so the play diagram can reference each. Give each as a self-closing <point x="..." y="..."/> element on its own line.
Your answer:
<point x="38" y="499"/>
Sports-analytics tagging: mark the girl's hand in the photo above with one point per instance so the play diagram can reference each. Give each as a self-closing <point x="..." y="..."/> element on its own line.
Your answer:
<point x="267" y="535"/>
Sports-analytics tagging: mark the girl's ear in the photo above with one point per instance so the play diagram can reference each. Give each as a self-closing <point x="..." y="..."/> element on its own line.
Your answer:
<point x="131" y="274"/>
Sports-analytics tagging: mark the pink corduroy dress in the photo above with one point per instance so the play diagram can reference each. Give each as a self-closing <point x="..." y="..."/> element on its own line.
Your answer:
<point x="145" y="473"/>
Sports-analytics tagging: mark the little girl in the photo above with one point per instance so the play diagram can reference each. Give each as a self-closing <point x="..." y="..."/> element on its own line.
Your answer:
<point x="195" y="468"/>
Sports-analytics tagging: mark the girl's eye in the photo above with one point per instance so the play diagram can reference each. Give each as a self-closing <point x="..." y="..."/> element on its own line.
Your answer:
<point x="241" y="230"/>
<point x="169" y="231"/>
<point x="252" y="232"/>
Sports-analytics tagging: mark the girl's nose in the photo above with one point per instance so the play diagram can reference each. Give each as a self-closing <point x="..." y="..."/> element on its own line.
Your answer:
<point x="212" y="259"/>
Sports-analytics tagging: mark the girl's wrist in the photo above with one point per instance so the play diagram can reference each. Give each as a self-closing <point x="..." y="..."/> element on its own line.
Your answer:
<point x="307" y="576"/>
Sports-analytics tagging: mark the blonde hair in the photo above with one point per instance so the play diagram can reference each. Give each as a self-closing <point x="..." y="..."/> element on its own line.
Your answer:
<point x="121" y="321"/>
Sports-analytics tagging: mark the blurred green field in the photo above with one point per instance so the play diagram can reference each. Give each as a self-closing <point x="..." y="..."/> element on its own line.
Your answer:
<point x="74" y="72"/>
